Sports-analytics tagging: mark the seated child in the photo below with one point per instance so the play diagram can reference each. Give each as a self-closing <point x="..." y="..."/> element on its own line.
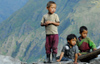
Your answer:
<point x="84" y="43"/>
<point x="70" y="50"/>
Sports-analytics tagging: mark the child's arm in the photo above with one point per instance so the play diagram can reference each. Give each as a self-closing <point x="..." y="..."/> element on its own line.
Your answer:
<point x="92" y="44"/>
<point x="54" y="23"/>
<point x="75" y="59"/>
<point x="44" y="24"/>
<point x="61" y="55"/>
<point x="50" y="22"/>
<point x="79" y="54"/>
<point x="94" y="49"/>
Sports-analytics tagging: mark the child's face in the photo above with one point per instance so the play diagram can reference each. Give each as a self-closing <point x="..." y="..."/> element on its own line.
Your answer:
<point x="72" y="41"/>
<point x="84" y="33"/>
<point x="52" y="8"/>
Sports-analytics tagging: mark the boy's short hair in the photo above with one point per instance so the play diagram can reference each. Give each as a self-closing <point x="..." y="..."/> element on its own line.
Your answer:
<point x="71" y="36"/>
<point x="49" y="3"/>
<point x="82" y="28"/>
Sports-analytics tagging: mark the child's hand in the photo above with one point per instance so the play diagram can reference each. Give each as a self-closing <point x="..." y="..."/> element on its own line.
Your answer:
<point x="75" y="63"/>
<point x="94" y="49"/>
<point x="79" y="54"/>
<point x="58" y="60"/>
<point x="48" y="22"/>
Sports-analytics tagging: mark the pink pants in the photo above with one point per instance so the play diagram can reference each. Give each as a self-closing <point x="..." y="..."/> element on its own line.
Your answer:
<point x="51" y="43"/>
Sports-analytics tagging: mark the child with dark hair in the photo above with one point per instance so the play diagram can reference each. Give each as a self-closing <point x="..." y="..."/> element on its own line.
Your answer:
<point x="70" y="50"/>
<point x="51" y="22"/>
<point x="84" y="43"/>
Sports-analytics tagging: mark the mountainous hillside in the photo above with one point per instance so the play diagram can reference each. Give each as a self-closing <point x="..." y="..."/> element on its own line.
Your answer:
<point x="21" y="35"/>
<point x="87" y="15"/>
<point x="7" y="7"/>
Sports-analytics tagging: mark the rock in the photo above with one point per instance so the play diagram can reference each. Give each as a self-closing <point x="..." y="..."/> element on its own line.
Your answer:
<point x="23" y="62"/>
<point x="8" y="60"/>
<point x="62" y="62"/>
<point x="94" y="61"/>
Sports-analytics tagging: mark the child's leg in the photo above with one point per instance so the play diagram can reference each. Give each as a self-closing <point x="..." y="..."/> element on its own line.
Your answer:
<point x="48" y="48"/>
<point x="64" y="58"/>
<point x="48" y="45"/>
<point x="54" y="46"/>
<point x="55" y="43"/>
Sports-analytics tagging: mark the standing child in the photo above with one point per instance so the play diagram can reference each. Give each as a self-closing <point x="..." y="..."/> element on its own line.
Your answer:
<point x="70" y="50"/>
<point x="51" y="21"/>
<point x="84" y="43"/>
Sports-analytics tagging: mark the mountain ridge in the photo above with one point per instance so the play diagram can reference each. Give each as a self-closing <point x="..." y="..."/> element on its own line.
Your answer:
<point x="7" y="8"/>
